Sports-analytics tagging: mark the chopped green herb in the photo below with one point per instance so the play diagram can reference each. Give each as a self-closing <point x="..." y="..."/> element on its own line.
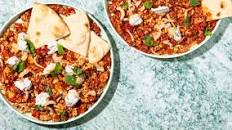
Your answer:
<point x="125" y="6"/>
<point x="194" y="2"/>
<point x="20" y="66"/>
<point x="38" y="107"/>
<point x="70" y="80"/>
<point x="31" y="47"/>
<point x="78" y="71"/>
<point x="60" y="49"/>
<point x="148" y="4"/>
<point x="187" y="20"/>
<point x="57" y="70"/>
<point x="53" y="74"/>
<point x="149" y="41"/>
<point x="49" y="90"/>
<point x="15" y="67"/>
<point x="207" y="32"/>
<point x="63" y="113"/>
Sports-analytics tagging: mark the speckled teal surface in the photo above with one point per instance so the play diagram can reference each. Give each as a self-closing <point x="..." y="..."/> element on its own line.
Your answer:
<point x="189" y="93"/>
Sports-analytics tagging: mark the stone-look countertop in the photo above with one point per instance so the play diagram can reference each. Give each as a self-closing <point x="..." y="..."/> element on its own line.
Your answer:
<point x="193" y="92"/>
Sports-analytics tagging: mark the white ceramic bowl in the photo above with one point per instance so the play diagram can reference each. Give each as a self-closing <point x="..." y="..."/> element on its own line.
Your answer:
<point x="28" y="116"/>
<point x="105" y="4"/>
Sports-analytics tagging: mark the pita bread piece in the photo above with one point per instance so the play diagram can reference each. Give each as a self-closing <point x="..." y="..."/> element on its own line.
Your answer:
<point x="78" y="40"/>
<point x="217" y="9"/>
<point x="98" y="48"/>
<point x="45" y="25"/>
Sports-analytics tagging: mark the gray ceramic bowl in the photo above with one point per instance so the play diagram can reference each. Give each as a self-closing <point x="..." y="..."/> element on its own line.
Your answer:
<point x="28" y="115"/>
<point x="105" y="4"/>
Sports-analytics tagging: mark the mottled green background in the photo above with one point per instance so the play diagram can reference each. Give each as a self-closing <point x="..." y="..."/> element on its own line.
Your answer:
<point x="189" y="93"/>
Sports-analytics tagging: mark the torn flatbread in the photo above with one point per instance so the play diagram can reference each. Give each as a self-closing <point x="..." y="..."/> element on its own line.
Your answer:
<point x="45" y="25"/>
<point x="78" y="40"/>
<point x="217" y="9"/>
<point x="98" y="48"/>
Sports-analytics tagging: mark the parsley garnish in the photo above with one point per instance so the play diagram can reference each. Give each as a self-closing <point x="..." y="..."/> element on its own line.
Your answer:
<point x="38" y="107"/>
<point x="194" y="2"/>
<point x="70" y="80"/>
<point x="31" y="47"/>
<point x="207" y="32"/>
<point x="187" y="20"/>
<point x="20" y="66"/>
<point x="148" y="4"/>
<point x="49" y="90"/>
<point x="57" y="70"/>
<point x="78" y="71"/>
<point x="63" y="113"/>
<point x="149" y="41"/>
<point x="125" y="6"/>
<point x="60" y="49"/>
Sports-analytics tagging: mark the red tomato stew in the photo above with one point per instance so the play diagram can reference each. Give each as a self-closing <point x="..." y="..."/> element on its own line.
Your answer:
<point x="63" y="96"/>
<point x="161" y="27"/>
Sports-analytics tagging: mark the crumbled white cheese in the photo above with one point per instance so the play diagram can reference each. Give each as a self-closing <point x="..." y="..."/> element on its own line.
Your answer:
<point x="22" y="44"/>
<point x="24" y="84"/>
<point x="69" y="69"/>
<point x="72" y="98"/>
<point x="21" y="36"/>
<point x="175" y="33"/>
<point x="19" y="21"/>
<point x="167" y="25"/>
<point x="12" y="61"/>
<point x="100" y="68"/>
<point x="161" y="9"/>
<point x="52" y="46"/>
<point x="80" y="79"/>
<point x="135" y="20"/>
<point x="42" y="99"/>
<point x="50" y="67"/>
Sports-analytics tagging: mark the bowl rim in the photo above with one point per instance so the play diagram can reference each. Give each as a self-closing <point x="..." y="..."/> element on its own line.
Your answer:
<point x="192" y="49"/>
<point x="103" y="35"/>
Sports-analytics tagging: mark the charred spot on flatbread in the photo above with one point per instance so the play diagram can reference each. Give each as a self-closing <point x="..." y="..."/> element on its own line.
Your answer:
<point x="87" y="25"/>
<point x="222" y="5"/>
<point x="57" y="31"/>
<point x="79" y="38"/>
<point x="98" y="48"/>
<point x="45" y="25"/>
<point x="217" y="9"/>
<point x="37" y="33"/>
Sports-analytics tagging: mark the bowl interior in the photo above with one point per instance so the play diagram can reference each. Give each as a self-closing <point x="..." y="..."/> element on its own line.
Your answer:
<point x="28" y="115"/>
<point x="105" y="4"/>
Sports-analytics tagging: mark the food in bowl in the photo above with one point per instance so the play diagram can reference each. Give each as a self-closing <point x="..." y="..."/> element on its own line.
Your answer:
<point x="163" y="27"/>
<point x="54" y="63"/>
